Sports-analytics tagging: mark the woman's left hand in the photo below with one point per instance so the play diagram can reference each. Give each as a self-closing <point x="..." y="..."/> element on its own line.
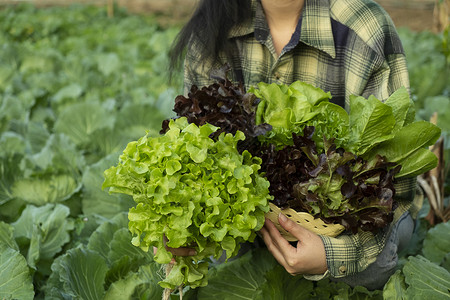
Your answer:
<point x="309" y="255"/>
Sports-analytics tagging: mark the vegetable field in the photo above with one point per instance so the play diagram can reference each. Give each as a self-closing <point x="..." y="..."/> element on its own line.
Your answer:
<point x="75" y="88"/>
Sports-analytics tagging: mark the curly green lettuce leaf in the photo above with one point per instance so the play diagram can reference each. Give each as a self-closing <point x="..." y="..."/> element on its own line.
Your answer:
<point x="330" y="122"/>
<point x="191" y="191"/>
<point x="286" y="108"/>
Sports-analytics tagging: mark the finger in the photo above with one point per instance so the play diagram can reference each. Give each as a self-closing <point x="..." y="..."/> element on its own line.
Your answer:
<point x="293" y="228"/>
<point x="283" y="251"/>
<point x="272" y="247"/>
<point x="285" y="255"/>
<point x="281" y="243"/>
<point x="182" y="251"/>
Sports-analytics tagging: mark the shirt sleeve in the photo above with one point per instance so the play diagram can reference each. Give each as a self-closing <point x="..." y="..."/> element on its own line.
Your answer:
<point x="352" y="253"/>
<point x="348" y="254"/>
<point x="389" y="77"/>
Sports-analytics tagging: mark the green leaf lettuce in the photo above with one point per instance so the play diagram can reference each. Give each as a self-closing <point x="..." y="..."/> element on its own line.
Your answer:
<point x="195" y="191"/>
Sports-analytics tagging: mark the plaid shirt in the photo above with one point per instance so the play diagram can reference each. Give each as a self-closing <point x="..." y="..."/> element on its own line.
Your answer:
<point x="346" y="47"/>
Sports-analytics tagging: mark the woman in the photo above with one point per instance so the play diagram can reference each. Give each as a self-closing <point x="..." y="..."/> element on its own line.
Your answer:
<point x="346" y="47"/>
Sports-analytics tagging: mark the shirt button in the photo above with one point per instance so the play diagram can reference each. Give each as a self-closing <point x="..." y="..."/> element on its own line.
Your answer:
<point x="342" y="269"/>
<point x="277" y="75"/>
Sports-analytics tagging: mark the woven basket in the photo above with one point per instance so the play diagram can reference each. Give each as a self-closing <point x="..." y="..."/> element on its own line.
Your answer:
<point x="305" y="220"/>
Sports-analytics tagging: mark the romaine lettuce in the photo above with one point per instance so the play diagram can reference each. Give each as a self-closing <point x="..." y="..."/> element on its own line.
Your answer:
<point x="338" y="165"/>
<point x="370" y="128"/>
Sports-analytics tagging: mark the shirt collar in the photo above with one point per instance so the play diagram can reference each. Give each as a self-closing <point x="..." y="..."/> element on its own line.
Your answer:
<point x="315" y="26"/>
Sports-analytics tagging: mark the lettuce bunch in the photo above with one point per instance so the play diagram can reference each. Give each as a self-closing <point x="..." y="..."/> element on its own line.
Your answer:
<point x="197" y="192"/>
<point x="368" y="129"/>
<point x="224" y="105"/>
<point x="337" y="165"/>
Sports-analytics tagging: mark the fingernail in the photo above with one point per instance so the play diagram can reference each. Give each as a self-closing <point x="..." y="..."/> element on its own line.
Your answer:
<point x="282" y="217"/>
<point x="192" y="252"/>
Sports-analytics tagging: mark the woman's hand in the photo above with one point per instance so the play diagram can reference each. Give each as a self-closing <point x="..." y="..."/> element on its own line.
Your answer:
<point x="182" y="251"/>
<point x="309" y="255"/>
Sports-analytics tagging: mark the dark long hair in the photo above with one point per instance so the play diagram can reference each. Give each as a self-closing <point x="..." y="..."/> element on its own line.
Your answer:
<point x="209" y="27"/>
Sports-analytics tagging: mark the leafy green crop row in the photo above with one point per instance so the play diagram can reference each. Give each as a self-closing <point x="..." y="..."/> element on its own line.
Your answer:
<point x="75" y="88"/>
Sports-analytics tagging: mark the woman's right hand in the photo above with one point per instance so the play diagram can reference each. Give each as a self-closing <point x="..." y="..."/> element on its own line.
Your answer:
<point x="182" y="251"/>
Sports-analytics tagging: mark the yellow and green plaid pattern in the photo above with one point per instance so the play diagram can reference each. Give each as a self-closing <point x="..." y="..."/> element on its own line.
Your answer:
<point x="346" y="47"/>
